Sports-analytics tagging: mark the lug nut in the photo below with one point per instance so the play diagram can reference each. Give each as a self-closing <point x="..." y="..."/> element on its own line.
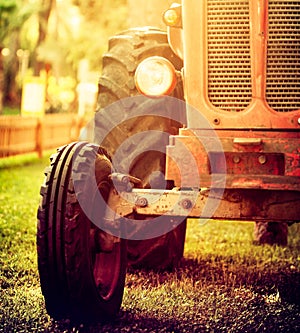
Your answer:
<point x="141" y="202"/>
<point x="236" y="159"/>
<point x="186" y="203"/>
<point x="262" y="159"/>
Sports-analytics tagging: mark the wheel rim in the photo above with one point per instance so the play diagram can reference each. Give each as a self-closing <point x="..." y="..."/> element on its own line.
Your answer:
<point x="106" y="254"/>
<point x="106" y="270"/>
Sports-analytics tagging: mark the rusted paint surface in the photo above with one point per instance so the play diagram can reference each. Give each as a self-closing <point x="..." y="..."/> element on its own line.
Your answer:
<point x="269" y="160"/>
<point x="232" y="204"/>
<point x="258" y="114"/>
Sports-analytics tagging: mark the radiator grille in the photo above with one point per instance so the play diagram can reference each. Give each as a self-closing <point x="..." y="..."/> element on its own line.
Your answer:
<point x="229" y="68"/>
<point x="283" y="65"/>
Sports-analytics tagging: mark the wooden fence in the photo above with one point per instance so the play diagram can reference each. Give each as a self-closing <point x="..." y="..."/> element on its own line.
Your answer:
<point x="19" y="135"/>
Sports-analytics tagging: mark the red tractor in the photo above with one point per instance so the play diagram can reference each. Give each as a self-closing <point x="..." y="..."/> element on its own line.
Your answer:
<point x="202" y="121"/>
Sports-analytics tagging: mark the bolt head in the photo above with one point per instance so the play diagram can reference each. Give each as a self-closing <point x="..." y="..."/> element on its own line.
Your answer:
<point x="186" y="203"/>
<point x="236" y="159"/>
<point x="262" y="159"/>
<point x="141" y="202"/>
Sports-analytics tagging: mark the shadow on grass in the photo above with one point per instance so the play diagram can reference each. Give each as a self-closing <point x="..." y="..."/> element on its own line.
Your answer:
<point x="226" y="296"/>
<point x="262" y="279"/>
<point x="225" y="272"/>
<point x="226" y="293"/>
<point x="128" y="321"/>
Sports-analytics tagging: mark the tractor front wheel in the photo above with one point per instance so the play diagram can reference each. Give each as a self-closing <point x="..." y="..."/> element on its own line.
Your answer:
<point x="82" y="268"/>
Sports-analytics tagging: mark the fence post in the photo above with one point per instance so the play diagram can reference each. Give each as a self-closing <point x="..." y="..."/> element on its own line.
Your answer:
<point x="39" y="136"/>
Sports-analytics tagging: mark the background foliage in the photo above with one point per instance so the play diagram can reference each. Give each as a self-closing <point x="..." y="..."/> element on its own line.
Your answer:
<point x="56" y="35"/>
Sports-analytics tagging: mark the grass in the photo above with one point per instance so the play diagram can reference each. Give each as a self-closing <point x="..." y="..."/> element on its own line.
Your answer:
<point x="11" y="111"/>
<point x="21" y="307"/>
<point x="224" y="284"/>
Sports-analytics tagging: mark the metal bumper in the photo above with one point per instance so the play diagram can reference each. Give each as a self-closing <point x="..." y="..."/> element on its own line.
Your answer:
<point x="245" y="205"/>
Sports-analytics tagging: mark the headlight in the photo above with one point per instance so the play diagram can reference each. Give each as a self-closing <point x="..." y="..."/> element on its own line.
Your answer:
<point x="173" y="16"/>
<point x="155" y="76"/>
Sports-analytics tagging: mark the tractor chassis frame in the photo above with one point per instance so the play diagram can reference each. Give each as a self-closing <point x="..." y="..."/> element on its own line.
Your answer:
<point x="233" y="204"/>
<point x="251" y="176"/>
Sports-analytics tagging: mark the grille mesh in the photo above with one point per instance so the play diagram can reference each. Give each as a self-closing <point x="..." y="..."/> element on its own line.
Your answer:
<point x="283" y="66"/>
<point x="229" y="68"/>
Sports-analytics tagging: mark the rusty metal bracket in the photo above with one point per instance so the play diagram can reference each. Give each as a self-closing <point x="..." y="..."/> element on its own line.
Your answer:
<point x="232" y="204"/>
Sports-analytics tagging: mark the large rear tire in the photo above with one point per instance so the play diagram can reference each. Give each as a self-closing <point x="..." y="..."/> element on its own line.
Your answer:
<point x="271" y="233"/>
<point x="82" y="269"/>
<point x="125" y="53"/>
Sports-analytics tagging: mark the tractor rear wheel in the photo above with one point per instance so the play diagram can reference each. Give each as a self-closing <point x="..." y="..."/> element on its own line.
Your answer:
<point x="125" y="52"/>
<point x="271" y="233"/>
<point x="82" y="269"/>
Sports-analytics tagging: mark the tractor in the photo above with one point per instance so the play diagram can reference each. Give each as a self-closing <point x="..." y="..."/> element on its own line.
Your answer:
<point x="200" y="121"/>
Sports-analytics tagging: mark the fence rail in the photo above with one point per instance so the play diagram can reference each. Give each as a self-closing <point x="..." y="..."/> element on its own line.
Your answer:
<point x="19" y="135"/>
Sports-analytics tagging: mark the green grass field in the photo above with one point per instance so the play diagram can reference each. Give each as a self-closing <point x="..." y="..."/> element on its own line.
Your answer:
<point x="224" y="284"/>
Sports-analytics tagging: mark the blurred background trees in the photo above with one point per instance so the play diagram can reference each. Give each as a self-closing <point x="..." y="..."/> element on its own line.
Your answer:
<point x="13" y="16"/>
<point x="147" y="12"/>
<point x="54" y="36"/>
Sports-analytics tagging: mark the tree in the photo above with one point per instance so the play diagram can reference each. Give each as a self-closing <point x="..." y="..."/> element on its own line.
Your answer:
<point x="102" y="19"/>
<point x="147" y="13"/>
<point x="43" y="18"/>
<point x="80" y="29"/>
<point x="7" y="9"/>
<point x="13" y="14"/>
<point x="64" y="47"/>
